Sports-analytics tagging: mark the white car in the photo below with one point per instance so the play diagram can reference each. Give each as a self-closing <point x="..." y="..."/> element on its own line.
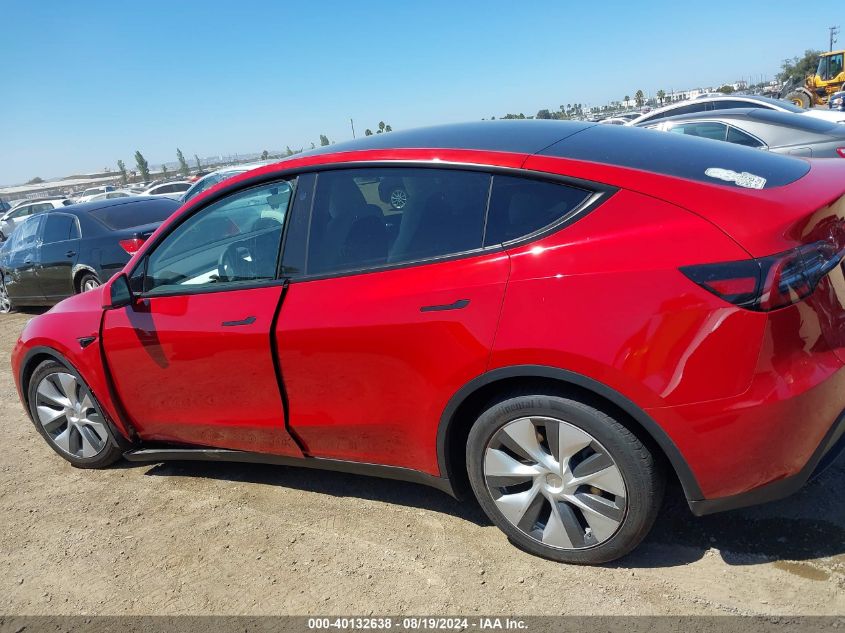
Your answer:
<point x="168" y="189"/>
<point x="727" y="102"/>
<point x="88" y="194"/>
<point x="15" y="216"/>
<point x="219" y="175"/>
<point x="109" y="195"/>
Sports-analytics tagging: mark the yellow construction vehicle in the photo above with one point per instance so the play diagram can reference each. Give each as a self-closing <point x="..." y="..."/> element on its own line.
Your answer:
<point x="817" y="88"/>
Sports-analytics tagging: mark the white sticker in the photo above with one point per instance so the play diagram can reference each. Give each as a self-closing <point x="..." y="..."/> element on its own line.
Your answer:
<point x="742" y="179"/>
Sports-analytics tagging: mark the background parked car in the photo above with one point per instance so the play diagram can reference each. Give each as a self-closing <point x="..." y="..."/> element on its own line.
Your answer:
<point x="89" y="194"/>
<point x="12" y="218"/>
<point x="60" y="253"/>
<point x="779" y="132"/>
<point x="110" y="195"/>
<point x="725" y="102"/>
<point x="837" y="101"/>
<point x="219" y="175"/>
<point x="4" y="206"/>
<point x="168" y="189"/>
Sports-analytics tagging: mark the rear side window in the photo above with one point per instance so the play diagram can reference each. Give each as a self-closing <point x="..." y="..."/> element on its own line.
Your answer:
<point x="126" y="216"/>
<point x="371" y="217"/>
<point x="705" y="129"/>
<point x="520" y="206"/>
<point x="741" y="138"/>
<point x="59" y="227"/>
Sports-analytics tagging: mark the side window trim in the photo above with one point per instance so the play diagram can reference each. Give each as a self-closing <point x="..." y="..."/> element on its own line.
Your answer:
<point x="142" y="265"/>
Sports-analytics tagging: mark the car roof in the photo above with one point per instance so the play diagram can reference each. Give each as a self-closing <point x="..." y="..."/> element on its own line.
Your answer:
<point x="87" y="207"/>
<point x="764" y="115"/>
<point x="675" y="155"/>
<point x="775" y="103"/>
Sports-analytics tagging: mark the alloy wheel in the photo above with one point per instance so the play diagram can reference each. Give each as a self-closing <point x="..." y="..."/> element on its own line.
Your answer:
<point x="5" y="303"/>
<point x="555" y="482"/>
<point x="398" y="198"/>
<point x="90" y="284"/>
<point x="69" y="416"/>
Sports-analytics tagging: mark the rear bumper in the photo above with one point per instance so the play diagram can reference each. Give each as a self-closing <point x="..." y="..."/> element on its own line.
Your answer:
<point x="830" y="448"/>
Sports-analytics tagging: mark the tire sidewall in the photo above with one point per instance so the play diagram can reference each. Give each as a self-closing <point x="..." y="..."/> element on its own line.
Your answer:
<point x="113" y="450"/>
<point x="641" y="488"/>
<point x="85" y="278"/>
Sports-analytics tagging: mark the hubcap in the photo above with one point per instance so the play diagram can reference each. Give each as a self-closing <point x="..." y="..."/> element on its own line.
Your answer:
<point x="398" y="198"/>
<point x="90" y="284"/>
<point x="5" y="304"/>
<point x="69" y="416"/>
<point x="555" y="482"/>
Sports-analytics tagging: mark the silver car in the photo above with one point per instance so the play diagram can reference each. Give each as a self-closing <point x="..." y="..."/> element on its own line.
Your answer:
<point x="780" y="132"/>
<point x="10" y="220"/>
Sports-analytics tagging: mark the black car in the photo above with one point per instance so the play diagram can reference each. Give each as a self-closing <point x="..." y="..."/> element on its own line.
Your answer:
<point x="55" y="254"/>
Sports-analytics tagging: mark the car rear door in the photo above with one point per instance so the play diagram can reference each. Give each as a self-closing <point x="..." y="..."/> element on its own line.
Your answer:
<point x="57" y="255"/>
<point x="390" y="311"/>
<point x="191" y="358"/>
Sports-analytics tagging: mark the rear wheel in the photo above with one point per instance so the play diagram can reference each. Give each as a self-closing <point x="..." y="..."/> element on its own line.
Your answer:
<point x="69" y="417"/>
<point x="88" y="281"/>
<point x="800" y="99"/>
<point x="562" y="479"/>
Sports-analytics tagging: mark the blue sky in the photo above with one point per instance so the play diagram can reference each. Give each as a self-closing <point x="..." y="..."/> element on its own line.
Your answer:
<point x="83" y="84"/>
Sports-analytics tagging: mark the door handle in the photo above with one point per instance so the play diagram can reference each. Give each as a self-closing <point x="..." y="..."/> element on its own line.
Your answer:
<point x="70" y="253"/>
<point x="27" y="261"/>
<point x="457" y="305"/>
<point x="247" y="321"/>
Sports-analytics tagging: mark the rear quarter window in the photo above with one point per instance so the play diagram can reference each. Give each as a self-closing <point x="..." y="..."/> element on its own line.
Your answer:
<point x="521" y="206"/>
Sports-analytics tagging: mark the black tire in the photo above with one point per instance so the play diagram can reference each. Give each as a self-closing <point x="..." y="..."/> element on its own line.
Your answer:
<point x="6" y="305"/>
<point x="641" y="473"/>
<point x="111" y="450"/>
<point x="800" y="99"/>
<point x="87" y="279"/>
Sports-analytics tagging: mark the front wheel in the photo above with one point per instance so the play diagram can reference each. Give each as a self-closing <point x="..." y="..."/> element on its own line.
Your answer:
<point x="68" y="416"/>
<point x="800" y="99"/>
<point x="5" y="302"/>
<point x="88" y="281"/>
<point x="562" y="479"/>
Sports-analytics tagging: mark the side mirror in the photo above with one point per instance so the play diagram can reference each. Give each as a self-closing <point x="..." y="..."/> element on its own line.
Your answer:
<point x="119" y="292"/>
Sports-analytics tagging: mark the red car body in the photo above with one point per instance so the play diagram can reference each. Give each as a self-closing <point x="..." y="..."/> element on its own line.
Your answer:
<point x="348" y="372"/>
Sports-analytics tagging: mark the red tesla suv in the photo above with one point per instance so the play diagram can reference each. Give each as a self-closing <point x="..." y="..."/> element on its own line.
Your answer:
<point x="558" y="318"/>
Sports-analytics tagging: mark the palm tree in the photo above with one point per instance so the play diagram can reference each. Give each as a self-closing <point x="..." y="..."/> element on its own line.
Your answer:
<point x="627" y="100"/>
<point x="661" y="95"/>
<point x="640" y="97"/>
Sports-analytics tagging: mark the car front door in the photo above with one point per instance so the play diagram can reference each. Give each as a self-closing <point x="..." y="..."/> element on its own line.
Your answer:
<point x="57" y="255"/>
<point x="191" y="358"/>
<point x="20" y="278"/>
<point x="389" y="311"/>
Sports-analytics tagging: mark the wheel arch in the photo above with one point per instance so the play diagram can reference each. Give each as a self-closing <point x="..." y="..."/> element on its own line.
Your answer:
<point x="78" y="271"/>
<point x="464" y="407"/>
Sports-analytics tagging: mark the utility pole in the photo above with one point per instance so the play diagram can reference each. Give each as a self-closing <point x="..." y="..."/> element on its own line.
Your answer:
<point x="834" y="31"/>
<point x="353" y="127"/>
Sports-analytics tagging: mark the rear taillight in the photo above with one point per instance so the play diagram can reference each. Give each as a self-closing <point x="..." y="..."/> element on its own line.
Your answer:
<point x="131" y="246"/>
<point x="841" y="151"/>
<point x="772" y="282"/>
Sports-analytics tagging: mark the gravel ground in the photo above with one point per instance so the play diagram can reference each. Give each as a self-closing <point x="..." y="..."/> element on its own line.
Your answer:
<point x="200" y="538"/>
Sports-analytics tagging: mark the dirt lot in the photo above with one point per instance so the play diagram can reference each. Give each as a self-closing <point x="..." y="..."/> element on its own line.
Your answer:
<point x="198" y="538"/>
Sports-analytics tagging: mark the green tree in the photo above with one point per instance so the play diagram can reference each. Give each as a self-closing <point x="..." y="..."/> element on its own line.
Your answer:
<point x="380" y="127"/>
<point x="143" y="166"/>
<point x="265" y="155"/>
<point x="121" y="167"/>
<point x="164" y="171"/>
<point x="726" y="89"/>
<point x="35" y="181"/>
<point x="627" y="99"/>
<point x="796" y="69"/>
<point x="288" y="151"/>
<point x="324" y="140"/>
<point x="199" y="162"/>
<point x="387" y="128"/>
<point x="184" y="170"/>
<point x="544" y="114"/>
<point x="368" y="132"/>
<point x="640" y="97"/>
<point x="661" y="95"/>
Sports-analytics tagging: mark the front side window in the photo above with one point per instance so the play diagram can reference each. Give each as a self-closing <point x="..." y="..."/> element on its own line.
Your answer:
<point x="233" y="241"/>
<point x="363" y="218"/>
<point x="711" y="130"/>
<point x="22" y="212"/>
<point x="519" y="207"/>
